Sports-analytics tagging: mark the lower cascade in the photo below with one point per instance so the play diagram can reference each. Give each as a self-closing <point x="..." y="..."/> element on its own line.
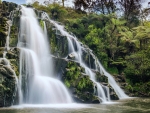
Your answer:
<point x="76" y="48"/>
<point x="36" y="83"/>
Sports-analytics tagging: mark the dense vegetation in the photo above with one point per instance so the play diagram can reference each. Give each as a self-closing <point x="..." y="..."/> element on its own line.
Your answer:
<point x="121" y="42"/>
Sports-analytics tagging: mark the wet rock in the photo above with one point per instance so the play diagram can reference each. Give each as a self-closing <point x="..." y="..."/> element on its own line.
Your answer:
<point x="79" y="83"/>
<point x="7" y="71"/>
<point x="113" y="95"/>
<point x="71" y="56"/>
<point x="13" y="56"/>
<point x="8" y="83"/>
<point x="101" y="78"/>
<point x="86" y="98"/>
<point x="96" y="101"/>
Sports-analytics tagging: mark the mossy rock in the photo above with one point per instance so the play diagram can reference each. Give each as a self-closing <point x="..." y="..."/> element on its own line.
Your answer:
<point x="1" y="54"/>
<point x="81" y="86"/>
<point x="86" y="97"/>
<point x="58" y="42"/>
<point x="101" y="78"/>
<point x="13" y="36"/>
<point x="8" y="84"/>
<point x="113" y="95"/>
<point x="13" y="56"/>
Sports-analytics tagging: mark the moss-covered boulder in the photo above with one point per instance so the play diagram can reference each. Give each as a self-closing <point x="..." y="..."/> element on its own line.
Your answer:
<point x="81" y="86"/>
<point x="8" y="82"/>
<point x="3" y="31"/>
<point x="13" y="56"/>
<point x="58" y="42"/>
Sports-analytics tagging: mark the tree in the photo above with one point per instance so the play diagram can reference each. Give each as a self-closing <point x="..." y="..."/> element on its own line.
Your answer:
<point x="79" y="4"/>
<point x="63" y="2"/>
<point x="131" y="10"/>
<point x="105" y="6"/>
<point x="142" y="33"/>
<point x="99" y="6"/>
<point x="112" y="31"/>
<point x="127" y="39"/>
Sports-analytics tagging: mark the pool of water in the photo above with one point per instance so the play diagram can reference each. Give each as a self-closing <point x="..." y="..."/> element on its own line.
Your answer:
<point x="133" y="105"/>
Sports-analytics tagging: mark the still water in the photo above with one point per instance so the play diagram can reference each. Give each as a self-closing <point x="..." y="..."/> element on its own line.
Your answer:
<point x="133" y="105"/>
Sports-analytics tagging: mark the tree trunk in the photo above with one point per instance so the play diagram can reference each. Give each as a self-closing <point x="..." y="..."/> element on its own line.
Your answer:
<point x="63" y="2"/>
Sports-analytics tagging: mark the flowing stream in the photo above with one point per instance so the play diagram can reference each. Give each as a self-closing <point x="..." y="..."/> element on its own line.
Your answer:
<point x="36" y="83"/>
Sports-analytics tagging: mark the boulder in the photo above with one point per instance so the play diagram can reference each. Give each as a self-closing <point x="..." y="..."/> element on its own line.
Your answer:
<point x="71" y="56"/>
<point x="8" y="83"/>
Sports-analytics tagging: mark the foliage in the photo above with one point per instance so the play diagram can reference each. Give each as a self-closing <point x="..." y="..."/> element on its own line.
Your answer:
<point x="42" y="24"/>
<point x="74" y="78"/>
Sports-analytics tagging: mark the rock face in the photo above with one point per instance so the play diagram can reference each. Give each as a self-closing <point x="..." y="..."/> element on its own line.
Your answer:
<point x="9" y="70"/>
<point x="9" y="66"/>
<point x="5" y="9"/>
<point x="8" y="82"/>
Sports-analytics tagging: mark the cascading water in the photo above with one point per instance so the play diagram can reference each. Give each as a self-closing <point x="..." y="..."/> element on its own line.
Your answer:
<point x="37" y="86"/>
<point x="8" y="36"/>
<point x="112" y="82"/>
<point x="102" y="91"/>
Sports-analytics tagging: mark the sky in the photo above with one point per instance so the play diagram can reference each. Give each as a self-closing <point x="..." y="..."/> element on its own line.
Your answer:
<point x="16" y="1"/>
<point x="67" y="2"/>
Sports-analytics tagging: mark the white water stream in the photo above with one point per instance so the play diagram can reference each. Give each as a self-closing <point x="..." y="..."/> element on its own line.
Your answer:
<point x="9" y="23"/>
<point x="37" y="84"/>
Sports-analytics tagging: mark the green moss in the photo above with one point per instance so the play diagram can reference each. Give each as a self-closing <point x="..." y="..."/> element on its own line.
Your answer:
<point x="81" y="84"/>
<point x="67" y="83"/>
<point x="112" y="70"/>
<point x="129" y="88"/>
<point x="13" y="36"/>
<point x="42" y="24"/>
<point x="15" y="66"/>
<point x="85" y="84"/>
<point x="101" y="78"/>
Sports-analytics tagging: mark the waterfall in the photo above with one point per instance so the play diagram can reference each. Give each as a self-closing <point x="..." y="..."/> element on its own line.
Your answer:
<point x="45" y="30"/>
<point x="102" y="91"/>
<point x="113" y="83"/>
<point x="7" y="38"/>
<point x="36" y="81"/>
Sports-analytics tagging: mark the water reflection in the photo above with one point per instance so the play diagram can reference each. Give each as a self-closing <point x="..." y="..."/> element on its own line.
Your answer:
<point x="135" y="105"/>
